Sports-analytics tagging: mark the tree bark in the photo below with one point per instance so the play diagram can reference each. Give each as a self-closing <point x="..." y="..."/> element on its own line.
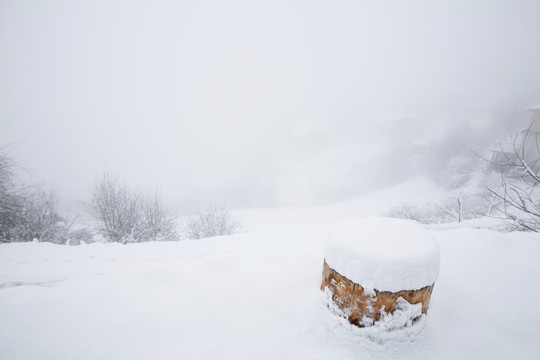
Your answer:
<point x="358" y="304"/>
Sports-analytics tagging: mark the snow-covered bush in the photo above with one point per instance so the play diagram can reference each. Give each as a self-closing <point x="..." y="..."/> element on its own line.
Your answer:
<point x="115" y="208"/>
<point x="11" y="200"/>
<point x="212" y="222"/>
<point x="27" y="212"/>
<point x="127" y="216"/>
<point x="33" y="214"/>
<point x="157" y="223"/>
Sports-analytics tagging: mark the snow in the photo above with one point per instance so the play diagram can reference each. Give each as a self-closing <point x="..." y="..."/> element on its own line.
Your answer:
<point x="256" y="295"/>
<point x="383" y="254"/>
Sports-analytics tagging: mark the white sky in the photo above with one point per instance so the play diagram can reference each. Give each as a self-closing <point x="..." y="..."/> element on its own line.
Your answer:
<point x="240" y="103"/>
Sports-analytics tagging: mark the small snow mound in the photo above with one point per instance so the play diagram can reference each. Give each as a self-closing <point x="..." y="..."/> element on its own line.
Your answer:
<point x="406" y="323"/>
<point x="404" y="316"/>
<point x="383" y="253"/>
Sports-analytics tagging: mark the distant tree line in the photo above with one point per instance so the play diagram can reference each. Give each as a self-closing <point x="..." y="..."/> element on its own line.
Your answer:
<point x="120" y="214"/>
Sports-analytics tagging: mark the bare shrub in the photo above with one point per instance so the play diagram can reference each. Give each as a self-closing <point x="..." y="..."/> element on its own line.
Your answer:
<point x="517" y="204"/>
<point x="115" y="208"/>
<point x="33" y="214"/>
<point x="212" y="222"/>
<point x="41" y="219"/>
<point x="516" y="200"/>
<point x="126" y="216"/>
<point x="27" y="212"/>
<point x="454" y="209"/>
<point x="11" y="200"/>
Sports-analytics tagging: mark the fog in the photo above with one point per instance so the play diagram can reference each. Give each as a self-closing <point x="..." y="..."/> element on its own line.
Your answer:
<point x="246" y="104"/>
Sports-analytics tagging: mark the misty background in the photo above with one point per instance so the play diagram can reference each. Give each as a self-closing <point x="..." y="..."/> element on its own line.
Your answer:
<point x="249" y="104"/>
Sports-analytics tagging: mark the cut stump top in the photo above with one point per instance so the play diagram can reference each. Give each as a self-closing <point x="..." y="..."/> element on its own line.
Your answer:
<point x="385" y="254"/>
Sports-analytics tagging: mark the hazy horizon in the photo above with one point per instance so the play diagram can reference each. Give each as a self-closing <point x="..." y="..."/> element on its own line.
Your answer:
<point x="245" y="104"/>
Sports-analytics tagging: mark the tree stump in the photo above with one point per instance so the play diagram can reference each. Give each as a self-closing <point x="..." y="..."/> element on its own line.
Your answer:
<point x="393" y="258"/>
<point x="359" y="304"/>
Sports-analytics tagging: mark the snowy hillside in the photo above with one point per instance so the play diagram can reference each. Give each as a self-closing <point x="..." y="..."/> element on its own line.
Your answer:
<point x="256" y="296"/>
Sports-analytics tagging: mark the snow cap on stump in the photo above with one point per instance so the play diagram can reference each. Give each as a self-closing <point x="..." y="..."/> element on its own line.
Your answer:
<point x="380" y="271"/>
<point x="385" y="254"/>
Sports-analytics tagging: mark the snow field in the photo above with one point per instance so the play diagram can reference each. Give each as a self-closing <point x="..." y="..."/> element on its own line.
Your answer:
<point x="256" y="295"/>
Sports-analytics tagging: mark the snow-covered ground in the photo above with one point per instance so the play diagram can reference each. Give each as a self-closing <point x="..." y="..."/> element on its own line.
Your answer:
<point x="256" y="295"/>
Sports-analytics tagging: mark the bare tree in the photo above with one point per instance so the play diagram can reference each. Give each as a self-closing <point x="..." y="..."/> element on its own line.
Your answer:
<point x="158" y="223"/>
<point x="126" y="216"/>
<point x="27" y="212"/>
<point x="517" y="199"/>
<point x="212" y="222"/>
<point x="11" y="202"/>
<point x="115" y="208"/>
<point x="41" y="218"/>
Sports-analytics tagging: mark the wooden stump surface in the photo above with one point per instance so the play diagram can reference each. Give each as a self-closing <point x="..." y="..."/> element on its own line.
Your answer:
<point x="356" y="302"/>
